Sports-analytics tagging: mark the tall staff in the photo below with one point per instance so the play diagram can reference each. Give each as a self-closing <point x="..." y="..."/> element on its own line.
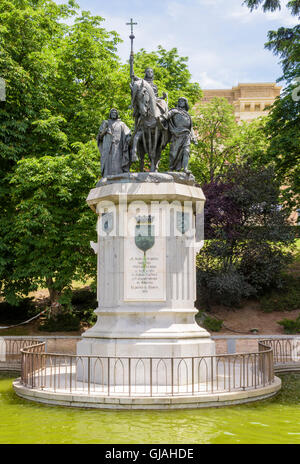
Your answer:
<point x="132" y="37"/>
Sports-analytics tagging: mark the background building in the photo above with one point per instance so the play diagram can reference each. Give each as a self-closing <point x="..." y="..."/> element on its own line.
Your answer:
<point x="249" y="100"/>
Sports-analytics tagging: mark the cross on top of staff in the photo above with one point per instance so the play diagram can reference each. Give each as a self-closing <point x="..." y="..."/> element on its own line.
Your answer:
<point x="131" y="24"/>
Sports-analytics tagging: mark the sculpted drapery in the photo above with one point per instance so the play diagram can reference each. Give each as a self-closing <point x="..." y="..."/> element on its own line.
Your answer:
<point x="182" y="134"/>
<point x="113" y="143"/>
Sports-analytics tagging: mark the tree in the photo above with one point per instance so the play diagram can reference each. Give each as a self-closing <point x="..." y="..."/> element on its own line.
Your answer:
<point x="171" y="74"/>
<point x="272" y="5"/>
<point x="247" y="236"/>
<point x="283" y="124"/>
<point x="61" y="81"/>
<point x="57" y="78"/>
<point x="250" y="141"/>
<point x="53" y="225"/>
<point x="215" y="128"/>
<point x="284" y="150"/>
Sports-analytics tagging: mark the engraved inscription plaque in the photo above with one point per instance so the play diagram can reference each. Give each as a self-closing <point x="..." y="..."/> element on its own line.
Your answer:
<point x="144" y="274"/>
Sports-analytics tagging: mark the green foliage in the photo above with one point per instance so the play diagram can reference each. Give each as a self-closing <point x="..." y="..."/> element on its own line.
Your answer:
<point x="212" y="324"/>
<point x="15" y="314"/>
<point x="249" y="240"/>
<point x="272" y="5"/>
<point x="283" y="123"/>
<point x="262" y="264"/>
<point x="286" y="298"/>
<point x="215" y="285"/>
<point x="79" y="308"/>
<point x="290" y="391"/>
<point x="63" y="322"/>
<point x="84" y="302"/>
<point x="62" y="78"/>
<point x="215" y="128"/>
<point x="221" y="141"/>
<point x="57" y="77"/>
<point x="284" y="151"/>
<point x="290" y="326"/>
<point x="171" y="74"/>
<point x="250" y="141"/>
<point x="53" y="225"/>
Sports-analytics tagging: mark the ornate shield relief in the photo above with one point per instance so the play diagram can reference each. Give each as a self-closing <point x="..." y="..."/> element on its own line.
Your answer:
<point x="182" y="222"/>
<point x="107" y="222"/>
<point x="144" y="234"/>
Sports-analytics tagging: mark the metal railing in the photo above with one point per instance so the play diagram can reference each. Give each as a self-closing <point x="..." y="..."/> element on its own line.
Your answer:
<point x="10" y="351"/>
<point x="149" y="376"/>
<point x="286" y="350"/>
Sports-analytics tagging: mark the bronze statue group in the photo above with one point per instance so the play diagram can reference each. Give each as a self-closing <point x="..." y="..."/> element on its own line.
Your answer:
<point x="155" y="127"/>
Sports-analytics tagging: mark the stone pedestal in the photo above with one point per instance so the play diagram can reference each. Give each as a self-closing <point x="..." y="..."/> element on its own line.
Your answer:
<point x="147" y="245"/>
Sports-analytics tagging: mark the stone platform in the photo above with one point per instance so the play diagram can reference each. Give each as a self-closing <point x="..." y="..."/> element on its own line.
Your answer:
<point x="99" y="398"/>
<point x="148" y="238"/>
<point x="146" y="350"/>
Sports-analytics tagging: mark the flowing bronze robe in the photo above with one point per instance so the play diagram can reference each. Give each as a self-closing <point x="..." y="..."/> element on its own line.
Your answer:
<point x="113" y="144"/>
<point x="181" y="129"/>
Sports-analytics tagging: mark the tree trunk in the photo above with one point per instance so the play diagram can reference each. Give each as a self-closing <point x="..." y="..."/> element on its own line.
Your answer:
<point x="55" y="306"/>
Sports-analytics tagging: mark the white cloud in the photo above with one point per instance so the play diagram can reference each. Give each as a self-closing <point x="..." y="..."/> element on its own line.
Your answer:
<point x="209" y="82"/>
<point x="282" y="16"/>
<point x="223" y="39"/>
<point x="210" y="2"/>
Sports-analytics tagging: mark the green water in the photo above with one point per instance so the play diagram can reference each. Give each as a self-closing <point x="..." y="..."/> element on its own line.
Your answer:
<point x="272" y="421"/>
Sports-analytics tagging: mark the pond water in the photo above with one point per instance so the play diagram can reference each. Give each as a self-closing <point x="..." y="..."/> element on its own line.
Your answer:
<point x="272" y="421"/>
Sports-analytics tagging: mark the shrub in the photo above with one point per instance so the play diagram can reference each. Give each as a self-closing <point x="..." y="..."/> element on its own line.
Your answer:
<point x="84" y="302"/>
<point x="63" y="322"/>
<point x="262" y="264"/>
<point x="285" y="299"/>
<point x="89" y="316"/>
<point x="11" y="313"/>
<point x="83" y="297"/>
<point x="212" y="324"/>
<point x="220" y="287"/>
<point x="248" y="238"/>
<point x="290" y="326"/>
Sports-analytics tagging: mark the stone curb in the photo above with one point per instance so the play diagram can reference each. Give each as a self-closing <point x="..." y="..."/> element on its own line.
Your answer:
<point x="178" y="402"/>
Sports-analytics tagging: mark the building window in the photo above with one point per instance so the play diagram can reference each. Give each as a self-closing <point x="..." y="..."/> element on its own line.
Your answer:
<point x="247" y="108"/>
<point x="257" y="107"/>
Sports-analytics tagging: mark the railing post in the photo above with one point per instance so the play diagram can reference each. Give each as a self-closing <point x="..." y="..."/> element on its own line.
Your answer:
<point x="172" y="376"/>
<point x="54" y="381"/>
<point x="255" y="371"/>
<point x="243" y="358"/>
<point x="193" y="376"/>
<point x="264" y="369"/>
<point x="129" y="376"/>
<point x="32" y="383"/>
<point x="271" y="367"/>
<point x="22" y="367"/>
<point x="71" y="365"/>
<point x="25" y="369"/>
<point x="108" y="376"/>
<point x="151" y="380"/>
<point x="212" y="373"/>
<point x="89" y="375"/>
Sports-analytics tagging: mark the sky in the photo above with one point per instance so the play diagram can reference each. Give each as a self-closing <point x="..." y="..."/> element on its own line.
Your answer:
<point x="223" y="40"/>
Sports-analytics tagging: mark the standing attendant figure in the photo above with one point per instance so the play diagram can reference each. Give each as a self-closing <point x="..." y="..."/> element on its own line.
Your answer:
<point x="113" y="142"/>
<point x="181" y="130"/>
